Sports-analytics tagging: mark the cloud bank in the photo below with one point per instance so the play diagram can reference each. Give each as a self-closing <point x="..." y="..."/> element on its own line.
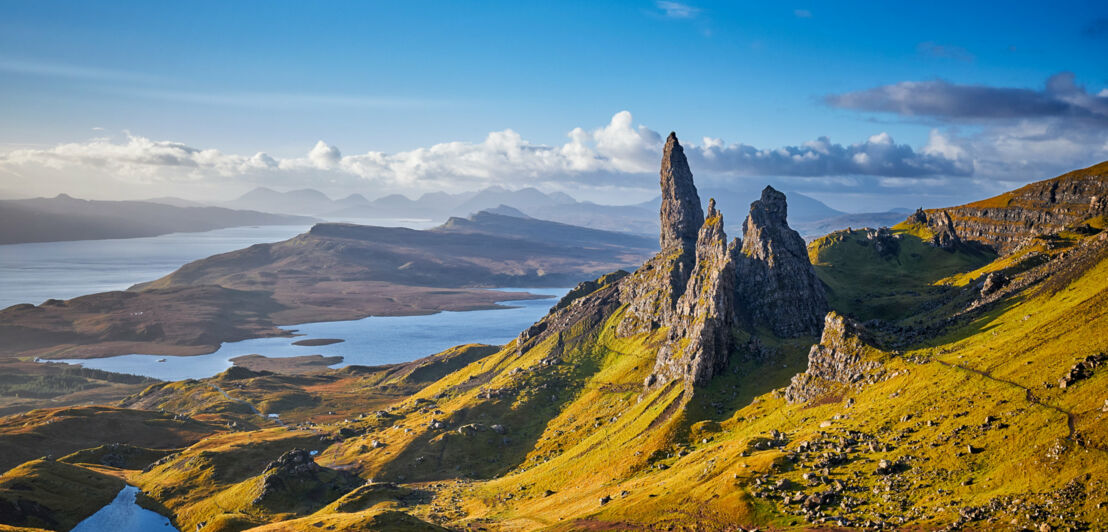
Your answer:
<point x="1061" y="97"/>
<point x="618" y="154"/>
<point x="982" y="140"/>
<point x="1023" y="133"/>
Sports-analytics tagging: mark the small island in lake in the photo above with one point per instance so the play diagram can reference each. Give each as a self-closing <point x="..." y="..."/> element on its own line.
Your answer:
<point x="313" y="342"/>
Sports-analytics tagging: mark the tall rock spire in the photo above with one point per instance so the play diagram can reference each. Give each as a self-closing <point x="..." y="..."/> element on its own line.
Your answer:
<point x="681" y="214"/>
<point x="702" y="288"/>
<point x="653" y="290"/>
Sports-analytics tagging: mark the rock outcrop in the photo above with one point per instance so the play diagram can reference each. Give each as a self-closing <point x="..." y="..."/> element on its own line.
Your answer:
<point x="1006" y="222"/>
<point x="885" y="242"/>
<point x="651" y="293"/>
<point x="700" y="336"/>
<point x="294" y="482"/>
<point x="844" y="357"/>
<point x="701" y="288"/>
<point x="943" y="233"/>
<point x="776" y="286"/>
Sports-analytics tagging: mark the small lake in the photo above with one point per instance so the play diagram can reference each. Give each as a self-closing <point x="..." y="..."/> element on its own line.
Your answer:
<point x="368" y="342"/>
<point x="123" y="515"/>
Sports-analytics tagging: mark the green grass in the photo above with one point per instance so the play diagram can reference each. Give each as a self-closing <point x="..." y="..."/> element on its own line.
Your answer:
<point x="864" y="285"/>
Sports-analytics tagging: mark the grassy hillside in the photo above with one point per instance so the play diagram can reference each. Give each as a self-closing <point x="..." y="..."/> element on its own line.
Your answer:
<point x="951" y="388"/>
<point x="866" y="283"/>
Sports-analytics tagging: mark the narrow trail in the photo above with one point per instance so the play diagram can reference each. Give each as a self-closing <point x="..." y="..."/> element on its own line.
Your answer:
<point x="248" y="405"/>
<point x="1031" y="397"/>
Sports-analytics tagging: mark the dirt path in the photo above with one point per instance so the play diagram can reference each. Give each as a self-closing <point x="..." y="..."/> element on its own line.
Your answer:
<point x="1031" y="397"/>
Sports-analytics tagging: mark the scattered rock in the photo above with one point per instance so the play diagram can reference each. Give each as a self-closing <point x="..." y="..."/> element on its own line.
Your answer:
<point x="1082" y="370"/>
<point x="993" y="282"/>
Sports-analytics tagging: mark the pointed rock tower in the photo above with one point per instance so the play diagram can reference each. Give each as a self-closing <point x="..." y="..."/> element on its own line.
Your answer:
<point x="701" y="288"/>
<point x="681" y="215"/>
<point x="651" y="293"/>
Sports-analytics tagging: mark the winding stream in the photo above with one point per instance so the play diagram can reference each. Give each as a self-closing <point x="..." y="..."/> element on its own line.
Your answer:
<point x="123" y="515"/>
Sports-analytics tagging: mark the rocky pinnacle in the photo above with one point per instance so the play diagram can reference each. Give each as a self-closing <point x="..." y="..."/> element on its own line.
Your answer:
<point x="653" y="290"/>
<point x="776" y="285"/>
<point x="700" y="335"/>
<point x="681" y="214"/>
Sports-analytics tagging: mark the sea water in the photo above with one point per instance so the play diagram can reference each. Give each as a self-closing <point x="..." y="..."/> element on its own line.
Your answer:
<point x="35" y="272"/>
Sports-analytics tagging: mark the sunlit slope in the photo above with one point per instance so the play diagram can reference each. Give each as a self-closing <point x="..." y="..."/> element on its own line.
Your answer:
<point x="973" y="430"/>
<point x="558" y="434"/>
<point x="890" y="276"/>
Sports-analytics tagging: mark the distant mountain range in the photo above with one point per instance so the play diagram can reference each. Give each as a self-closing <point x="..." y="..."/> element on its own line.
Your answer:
<point x="812" y="217"/>
<point x="65" y="218"/>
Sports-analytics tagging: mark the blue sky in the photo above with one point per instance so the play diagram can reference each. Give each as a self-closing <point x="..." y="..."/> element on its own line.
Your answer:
<point x="239" y="78"/>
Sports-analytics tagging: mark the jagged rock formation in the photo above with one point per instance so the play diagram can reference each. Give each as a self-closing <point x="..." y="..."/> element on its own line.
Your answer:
<point x="653" y="290"/>
<point x="1007" y="221"/>
<point x="885" y="242"/>
<point x="843" y="357"/>
<point x="942" y="226"/>
<point x="776" y="285"/>
<point x="699" y="286"/>
<point x="701" y="338"/>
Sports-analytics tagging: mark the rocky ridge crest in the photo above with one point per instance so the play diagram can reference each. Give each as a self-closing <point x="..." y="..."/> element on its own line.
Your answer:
<point x="1006" y="222"/>
<point x="702" y="288"/>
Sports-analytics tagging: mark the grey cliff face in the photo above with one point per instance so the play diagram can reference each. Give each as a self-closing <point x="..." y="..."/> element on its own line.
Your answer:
<point x="705" y="313"/>
<point x="776" y="285"/>
<point x="1006" y="223"/>
<point x="946" y="237"/>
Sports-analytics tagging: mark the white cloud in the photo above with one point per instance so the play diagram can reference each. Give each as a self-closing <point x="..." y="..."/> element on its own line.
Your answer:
<point x="325" y="157"/>
<point x="677" y="9"/>
<point x="939" y="144"/>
